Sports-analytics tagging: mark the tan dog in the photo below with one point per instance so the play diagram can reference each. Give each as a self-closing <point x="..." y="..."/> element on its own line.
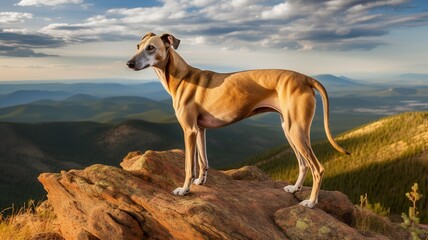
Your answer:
<point x="205" y="99"/>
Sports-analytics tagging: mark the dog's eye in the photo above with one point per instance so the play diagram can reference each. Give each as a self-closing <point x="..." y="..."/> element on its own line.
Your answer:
<point x="150" y="48"/>
<point x="138" y="46"/>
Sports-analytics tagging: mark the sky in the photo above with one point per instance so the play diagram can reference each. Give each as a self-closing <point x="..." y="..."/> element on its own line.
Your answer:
<point x="59" y="40"/>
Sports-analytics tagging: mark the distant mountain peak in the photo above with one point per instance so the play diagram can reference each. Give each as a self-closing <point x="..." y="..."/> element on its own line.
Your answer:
<point x="329" y="78"/>
<point x="26" y="96"/>
<point x="80" y="97"/>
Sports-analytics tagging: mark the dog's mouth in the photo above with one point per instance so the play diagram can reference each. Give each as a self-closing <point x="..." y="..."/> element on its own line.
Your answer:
<point x="144" y="67"/>
<point x="134" y="66"/>
<point x="141" y="68"/>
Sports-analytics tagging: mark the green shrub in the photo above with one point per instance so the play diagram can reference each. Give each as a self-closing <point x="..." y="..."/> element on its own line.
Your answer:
<point x="411" y="221"/>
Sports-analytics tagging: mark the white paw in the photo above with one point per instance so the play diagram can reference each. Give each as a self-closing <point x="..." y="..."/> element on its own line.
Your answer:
<point x="180" y="191"/>
<point x="291" y="188"/>
<point x="307" y="203"/>
<point x="199" y="181"/>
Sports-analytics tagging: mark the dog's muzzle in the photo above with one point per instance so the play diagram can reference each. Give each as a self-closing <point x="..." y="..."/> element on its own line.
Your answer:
<point x="131" y="64"/>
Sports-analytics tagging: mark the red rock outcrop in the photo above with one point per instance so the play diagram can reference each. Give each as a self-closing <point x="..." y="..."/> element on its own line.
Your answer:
<point x="105" y="202"/>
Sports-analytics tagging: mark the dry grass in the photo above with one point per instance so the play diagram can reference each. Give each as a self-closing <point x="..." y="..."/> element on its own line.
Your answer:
<point x="364" y="130"/>
<point x="32" y="221"/>
<point x="370" y="224"/>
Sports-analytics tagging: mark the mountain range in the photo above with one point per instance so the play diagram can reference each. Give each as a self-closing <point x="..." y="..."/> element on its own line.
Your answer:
<point x="83" y="107"/>
<point x="19" y="93"/>
<point x="352" y="103"/>
<point x="15" y="94"/>
<point x="47" y="127"/>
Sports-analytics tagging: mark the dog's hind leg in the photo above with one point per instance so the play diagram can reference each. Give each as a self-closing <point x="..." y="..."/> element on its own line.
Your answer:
<point x="303" y="167"/>
<point x="298" y="115"/>
<point x="317" y="169"/>
<point x="202" y="158"/>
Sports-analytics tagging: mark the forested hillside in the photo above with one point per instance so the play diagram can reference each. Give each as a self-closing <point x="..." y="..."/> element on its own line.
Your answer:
<point x="388" y="156"/>
<point x="28" y="149"/>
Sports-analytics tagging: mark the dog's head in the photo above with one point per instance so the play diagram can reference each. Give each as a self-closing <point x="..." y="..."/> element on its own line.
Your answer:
<point x="152" y="50"/>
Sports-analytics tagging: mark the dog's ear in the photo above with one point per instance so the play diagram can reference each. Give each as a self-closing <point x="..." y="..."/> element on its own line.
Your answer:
<point x="149" y="34"/>
<point x="170" y="40"/>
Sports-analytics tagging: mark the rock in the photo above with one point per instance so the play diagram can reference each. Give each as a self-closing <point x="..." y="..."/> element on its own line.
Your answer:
<point x="334" y="203"/>
<point x="248" y="173"/>
<point x="164" y="168"/>
<point x="105" y="202"/>
<point x="300" y="222"/>
<point x="96" y="202"/>
<point x="47" y="236"/>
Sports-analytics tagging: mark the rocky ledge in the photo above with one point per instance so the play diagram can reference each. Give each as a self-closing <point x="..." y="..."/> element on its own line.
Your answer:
<point x="105" y="202"/>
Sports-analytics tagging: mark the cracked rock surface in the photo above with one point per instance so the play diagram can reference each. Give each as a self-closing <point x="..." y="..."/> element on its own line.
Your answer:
<point x="135" y="202"/>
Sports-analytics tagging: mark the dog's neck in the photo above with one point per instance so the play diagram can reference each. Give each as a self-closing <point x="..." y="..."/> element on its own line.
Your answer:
<point x="172" y="71"/>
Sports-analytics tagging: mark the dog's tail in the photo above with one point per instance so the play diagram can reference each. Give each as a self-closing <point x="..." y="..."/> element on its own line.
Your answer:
<point x="320" y="88"/>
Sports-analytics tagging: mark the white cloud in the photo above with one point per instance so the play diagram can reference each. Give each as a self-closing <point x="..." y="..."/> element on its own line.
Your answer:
<point x="292" y="24"/>
<point x="201" y="3"/>
<point x="277" y="12"/>
<point x="16" y="30"/>
<point x="16" y="42"/>
<point x="370" y="5"/>
<point x="14" y="17"/>
<point x="48" y="2"/>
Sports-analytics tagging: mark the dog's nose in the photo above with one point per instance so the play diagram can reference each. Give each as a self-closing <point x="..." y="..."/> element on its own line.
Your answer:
<point x="131" y="64"/>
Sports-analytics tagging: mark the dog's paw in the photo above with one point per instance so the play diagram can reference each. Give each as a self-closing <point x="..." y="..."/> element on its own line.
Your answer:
<point x="291" y="188"/>
<point x="199" y="181"/>
<point x="180" y="191"/>
<point x="307" y="203"/>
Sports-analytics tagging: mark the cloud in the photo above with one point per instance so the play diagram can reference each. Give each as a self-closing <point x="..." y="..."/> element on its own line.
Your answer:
<point x="16" y="30"/>
<point x="14" y="17"/>
<point x="48" y="2"/>
<point x="21" y="52"/>
<point x="23" y="66"/>
<point x="341" y="25"/>
<point x="31" y="40"/>
<point x="21" y="44"/>
<point x="277" y="12"/>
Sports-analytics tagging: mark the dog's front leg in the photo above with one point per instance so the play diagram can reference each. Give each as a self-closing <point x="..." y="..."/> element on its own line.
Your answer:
<point x="202" y="158"/>
<point x="190" y="148"/>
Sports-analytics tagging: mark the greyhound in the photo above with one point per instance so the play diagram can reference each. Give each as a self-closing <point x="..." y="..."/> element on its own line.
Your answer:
<point x="204" y="99"/>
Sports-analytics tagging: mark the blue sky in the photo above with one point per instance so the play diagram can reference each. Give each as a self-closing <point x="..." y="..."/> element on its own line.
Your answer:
<point x="92" y="39"/>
